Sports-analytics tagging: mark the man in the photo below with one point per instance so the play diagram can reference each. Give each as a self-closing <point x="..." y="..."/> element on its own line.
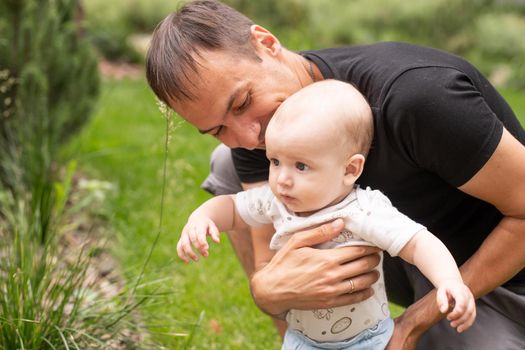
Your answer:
<point x="447" y="150"/>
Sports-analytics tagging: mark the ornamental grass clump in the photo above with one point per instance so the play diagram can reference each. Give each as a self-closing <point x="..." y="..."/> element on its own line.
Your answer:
<point x="48" y="85"/>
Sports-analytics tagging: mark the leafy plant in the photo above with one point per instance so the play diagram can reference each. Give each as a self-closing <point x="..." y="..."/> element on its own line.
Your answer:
<point x="48" y="85"/>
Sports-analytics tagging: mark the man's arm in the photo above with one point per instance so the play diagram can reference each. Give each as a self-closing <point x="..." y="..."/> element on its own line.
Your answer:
<point x="502" y="254"/>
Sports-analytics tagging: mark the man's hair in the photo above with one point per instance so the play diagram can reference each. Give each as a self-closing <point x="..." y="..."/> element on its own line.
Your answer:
<point x="179" y="40"/>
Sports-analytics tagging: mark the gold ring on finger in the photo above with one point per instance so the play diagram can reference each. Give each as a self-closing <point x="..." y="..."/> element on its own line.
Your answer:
<point x="352" y="286"/>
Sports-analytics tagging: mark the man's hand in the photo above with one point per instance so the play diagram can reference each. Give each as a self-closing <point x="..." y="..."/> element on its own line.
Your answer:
<point x="301" y="277"/>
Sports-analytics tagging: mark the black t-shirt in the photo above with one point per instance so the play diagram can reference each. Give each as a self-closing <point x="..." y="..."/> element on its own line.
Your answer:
<point x="437" y="121"/>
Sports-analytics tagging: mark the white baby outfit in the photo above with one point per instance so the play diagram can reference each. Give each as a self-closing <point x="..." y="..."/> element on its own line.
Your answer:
<point x="370" y="219"/>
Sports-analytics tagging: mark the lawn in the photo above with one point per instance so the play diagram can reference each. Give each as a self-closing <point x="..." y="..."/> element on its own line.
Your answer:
<point x="124" y="145"/>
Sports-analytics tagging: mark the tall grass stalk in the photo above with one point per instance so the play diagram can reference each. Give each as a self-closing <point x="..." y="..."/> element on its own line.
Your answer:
<point x="167" y="113"/>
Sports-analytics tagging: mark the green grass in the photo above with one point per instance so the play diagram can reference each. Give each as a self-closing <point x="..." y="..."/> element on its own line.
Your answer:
<point x="124" y="145"/>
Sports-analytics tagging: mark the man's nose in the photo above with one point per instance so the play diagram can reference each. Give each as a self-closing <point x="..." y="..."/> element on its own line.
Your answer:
<point x="247" y="135"/>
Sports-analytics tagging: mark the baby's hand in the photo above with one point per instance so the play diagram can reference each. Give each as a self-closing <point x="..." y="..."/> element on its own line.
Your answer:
<point x="194" y="233"/>
<point x="456" y="299"/>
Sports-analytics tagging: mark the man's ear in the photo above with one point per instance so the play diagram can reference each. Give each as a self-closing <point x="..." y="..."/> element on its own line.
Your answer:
<point x="264" y="41"/>
<point x="354" y="168"/>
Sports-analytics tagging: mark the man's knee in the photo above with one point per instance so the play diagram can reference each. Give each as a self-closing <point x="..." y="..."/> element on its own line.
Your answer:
<point x="222" y="178"/>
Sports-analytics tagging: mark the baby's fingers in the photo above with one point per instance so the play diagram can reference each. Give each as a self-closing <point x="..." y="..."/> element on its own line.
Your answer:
<point x="466" y="318"/>
<point x="197" y="236"/>
<point x="442" y="300"/>
<point x="214" y="233"/>
<point x="180" y="252"/>
<point x="184" y="249"/>
<point x="463" y="302"/>
<point x="464" y="322"/>
<point x="459" y="309"/>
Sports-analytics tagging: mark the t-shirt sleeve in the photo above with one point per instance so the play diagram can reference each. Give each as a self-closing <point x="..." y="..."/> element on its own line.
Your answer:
<point x="254" y="205"/>
<point x="441" y="122"/>
<point x="382" y="224"/>
<point x="251" y="166"/>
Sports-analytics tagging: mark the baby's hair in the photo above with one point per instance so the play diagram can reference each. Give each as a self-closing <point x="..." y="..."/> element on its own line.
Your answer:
<point x="172" y="61"/>
<point x="332" y="104"/>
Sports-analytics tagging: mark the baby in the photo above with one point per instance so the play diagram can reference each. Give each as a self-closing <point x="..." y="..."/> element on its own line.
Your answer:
<point x="317" y="142"/>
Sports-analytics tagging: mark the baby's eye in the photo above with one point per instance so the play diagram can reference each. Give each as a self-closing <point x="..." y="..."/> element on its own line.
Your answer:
<point x="301" y="166"/>
<point x="274" y="161"/>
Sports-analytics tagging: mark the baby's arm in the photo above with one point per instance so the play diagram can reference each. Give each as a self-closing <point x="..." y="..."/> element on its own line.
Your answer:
<point x="212" y="217"/>
<point x="434" y="260"/>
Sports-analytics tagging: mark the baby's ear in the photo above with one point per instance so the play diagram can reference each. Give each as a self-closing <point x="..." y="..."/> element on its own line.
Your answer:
<point x="354" y="168"/>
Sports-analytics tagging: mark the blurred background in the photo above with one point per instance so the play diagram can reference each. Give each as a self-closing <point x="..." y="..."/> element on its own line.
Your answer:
<point x="487" y="32"/>
<point x="96" y="181"/>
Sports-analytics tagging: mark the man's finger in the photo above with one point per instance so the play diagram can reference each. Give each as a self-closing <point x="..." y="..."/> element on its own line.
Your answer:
<point x="357" y="284"/>
<point x="351" y="257"/>
<point x="315" y="235"/>
<point x="350" y="298"/>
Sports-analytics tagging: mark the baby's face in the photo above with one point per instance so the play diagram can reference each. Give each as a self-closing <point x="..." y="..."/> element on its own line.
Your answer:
<point x="306" y="169"/>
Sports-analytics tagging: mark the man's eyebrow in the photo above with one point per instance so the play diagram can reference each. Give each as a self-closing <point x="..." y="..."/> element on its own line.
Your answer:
<point x="228" y="107"/>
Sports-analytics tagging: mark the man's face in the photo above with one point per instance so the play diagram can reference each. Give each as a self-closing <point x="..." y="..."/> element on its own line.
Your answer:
<point x="237" y="96"/>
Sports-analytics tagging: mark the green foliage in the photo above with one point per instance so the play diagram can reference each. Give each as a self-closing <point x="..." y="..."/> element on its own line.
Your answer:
<point x="110" y="25"/>
<point x="48" y="85"/>
<point x="486" y="32"/>
<point x="54" y="68"/>
<point x="38" y="304"/>
<point x="48" y="299"/>
<point x="499" y="47"/>
<point x="282" y="14"/>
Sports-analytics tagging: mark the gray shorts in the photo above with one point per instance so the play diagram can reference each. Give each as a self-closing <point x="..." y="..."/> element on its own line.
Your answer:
<point x="500" y="321"/>
<point x="222" y="178"/>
